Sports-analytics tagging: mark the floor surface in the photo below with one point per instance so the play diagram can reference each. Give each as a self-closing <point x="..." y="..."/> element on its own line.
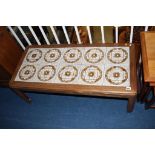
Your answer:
<point x="71" y="112"/>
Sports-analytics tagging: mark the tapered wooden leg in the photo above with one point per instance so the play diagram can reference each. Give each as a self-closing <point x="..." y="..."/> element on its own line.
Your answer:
<point x="144" y="91"/>
<point x="140" y="84"/>
<point x="131" y="103"/>
<point x="22" y="95"/>
<point x="150" y="103"/>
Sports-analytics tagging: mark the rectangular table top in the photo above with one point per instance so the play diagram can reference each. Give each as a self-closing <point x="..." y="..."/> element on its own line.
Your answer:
<point x="148" y="55"/>
<point x="92" y="69"/>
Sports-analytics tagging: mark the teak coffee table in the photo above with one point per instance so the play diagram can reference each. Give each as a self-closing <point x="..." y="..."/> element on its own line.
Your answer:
<point x="107" y="70"/>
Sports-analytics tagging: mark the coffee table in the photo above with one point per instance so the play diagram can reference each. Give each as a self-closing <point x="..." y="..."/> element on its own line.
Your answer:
<point x="106" y="70"/>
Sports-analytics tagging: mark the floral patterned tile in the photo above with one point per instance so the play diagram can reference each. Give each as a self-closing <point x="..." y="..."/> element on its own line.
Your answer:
<point x="93" y="56"/>
<point x="116" y="75"/>
<point x="91" y="75"/>
<point x="117" y="55"/>
<point x="67" y="74"/>
<point x="104" y="66"/>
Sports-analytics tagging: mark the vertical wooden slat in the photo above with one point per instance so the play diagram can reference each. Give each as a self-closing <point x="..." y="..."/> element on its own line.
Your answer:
<point x="24" y="35"/>
<point x="131" y="34"/>
<point x="34" y="35"/>
<point x="16" y="37"/>
<point x="102" y="33"/>
<point x="66" y="35"/>
<point x="55" y="35"/>
<point x="77" y="34"/>
<point x="89" y="35"/>
<point x="44" y="35"/>
<point x="116" y="34"/>
<point x="146" y="28"/>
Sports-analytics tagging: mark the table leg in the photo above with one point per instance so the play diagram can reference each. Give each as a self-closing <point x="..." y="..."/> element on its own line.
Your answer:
<point x="144" y="92"/>
<point x="150" y="103"/>
<point x="131" y="103"/>
<point x="22" y="95"/>
<point x="140" y="79"/>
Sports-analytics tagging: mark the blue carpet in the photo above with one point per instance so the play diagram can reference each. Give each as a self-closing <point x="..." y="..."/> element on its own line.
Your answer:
<point x="64" y="112"/>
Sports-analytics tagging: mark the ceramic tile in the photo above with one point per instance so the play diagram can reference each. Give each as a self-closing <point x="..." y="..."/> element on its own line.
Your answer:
<point x="67" y="74"/>
<point x="91" y="75"/>
<point x="116" y="75"/>
<point x="93" y="55"/>
<point x="72" y="56"/>
<point x="117" y="56"/>
<point x="102" y="66"/>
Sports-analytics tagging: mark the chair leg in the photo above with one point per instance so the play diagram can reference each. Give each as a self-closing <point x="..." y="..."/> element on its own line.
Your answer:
<point x="131" y="103"/>
<point x="22" y="95"/>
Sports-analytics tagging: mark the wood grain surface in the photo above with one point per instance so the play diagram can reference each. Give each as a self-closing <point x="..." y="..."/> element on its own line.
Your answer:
<point x="148" y="55"/>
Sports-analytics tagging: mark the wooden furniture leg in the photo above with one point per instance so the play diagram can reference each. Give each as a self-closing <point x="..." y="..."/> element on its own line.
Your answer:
<point x="22" y="95"/>
<point x="147" y="95"/>
<point x="144" y="92"/>
<point x="141" y="81"/>
<point x="131" y="103"/>
<point x="149" y="103"/>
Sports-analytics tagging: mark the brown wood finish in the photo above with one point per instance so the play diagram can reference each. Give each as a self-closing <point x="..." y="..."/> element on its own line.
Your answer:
<point x="22" y="95"/>
<point x="152" y="84"/>
<point x="4" y="77"/>
<point x="148" y="55"/>
<point x="148" y="59"/>
<point x="83" y="33"/>
<point x="131" y="103"/>
<point x="119" y="92"/>
<point x="10" y="54"/>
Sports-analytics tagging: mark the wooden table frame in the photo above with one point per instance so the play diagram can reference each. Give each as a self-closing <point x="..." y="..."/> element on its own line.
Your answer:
<point x="147" y="45"/>
<point x="147" y="68"/>
<point x="104" y="91"/>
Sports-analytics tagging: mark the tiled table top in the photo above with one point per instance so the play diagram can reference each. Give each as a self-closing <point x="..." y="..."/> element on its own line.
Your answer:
<point x="101" y="66"/>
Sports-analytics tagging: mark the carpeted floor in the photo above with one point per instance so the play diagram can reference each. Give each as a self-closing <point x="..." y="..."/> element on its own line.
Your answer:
<point x="64" y="112"/>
